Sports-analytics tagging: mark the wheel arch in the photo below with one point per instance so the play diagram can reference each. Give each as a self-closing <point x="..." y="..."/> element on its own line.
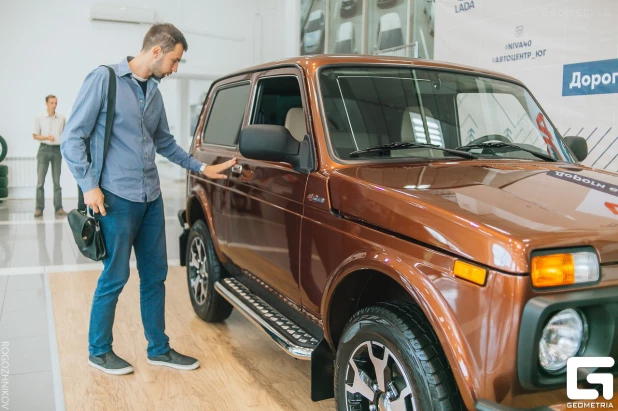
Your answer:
<point x="356" y="283"/>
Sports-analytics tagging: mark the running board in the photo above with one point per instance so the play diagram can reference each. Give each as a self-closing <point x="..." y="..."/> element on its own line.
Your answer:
<point x="287" y="334"/>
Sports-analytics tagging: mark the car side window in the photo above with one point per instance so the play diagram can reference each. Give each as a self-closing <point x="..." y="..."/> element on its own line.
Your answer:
<point x="279" y="102"/>
<point x="226" y="115"/>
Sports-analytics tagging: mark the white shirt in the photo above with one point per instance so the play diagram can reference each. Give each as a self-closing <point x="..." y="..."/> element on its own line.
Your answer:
<point x="46" y="125"/>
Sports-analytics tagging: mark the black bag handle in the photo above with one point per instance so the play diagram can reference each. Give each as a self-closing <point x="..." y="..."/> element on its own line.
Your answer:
<point x="109" y="122"/>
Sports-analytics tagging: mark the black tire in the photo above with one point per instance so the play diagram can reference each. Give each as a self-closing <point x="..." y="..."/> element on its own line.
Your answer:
<point x="4" y="182"/>
<point x="209" y="305"/>
<point x="418" y="368"/>
<point x="3" y="148"/>
<point x="4" y="192"/>
<point x="4" y="170"/>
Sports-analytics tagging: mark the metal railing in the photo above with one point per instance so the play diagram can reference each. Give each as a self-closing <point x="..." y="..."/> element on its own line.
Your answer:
<point x="406" y="50"/>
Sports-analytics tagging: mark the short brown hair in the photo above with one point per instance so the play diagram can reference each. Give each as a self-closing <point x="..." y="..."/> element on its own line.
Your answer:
<point x="48" y="97"/>
<point x="165" y="35"/>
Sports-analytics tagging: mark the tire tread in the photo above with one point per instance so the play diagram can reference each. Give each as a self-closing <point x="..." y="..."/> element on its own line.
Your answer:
<point x="410" y="320"/>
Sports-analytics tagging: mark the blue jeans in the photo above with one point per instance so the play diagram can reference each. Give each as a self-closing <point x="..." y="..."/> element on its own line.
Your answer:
<point x="140" y="226"/>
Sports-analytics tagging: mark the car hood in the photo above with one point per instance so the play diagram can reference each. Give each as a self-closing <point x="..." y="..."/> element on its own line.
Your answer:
<point x="494" y="213"/>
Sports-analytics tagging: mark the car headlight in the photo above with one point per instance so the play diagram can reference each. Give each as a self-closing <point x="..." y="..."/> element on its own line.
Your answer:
<point x="551" y="270"/>
<point x="563" y="337"/>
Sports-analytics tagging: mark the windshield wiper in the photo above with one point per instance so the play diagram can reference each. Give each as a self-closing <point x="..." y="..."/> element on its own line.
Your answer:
<point x="498" y="144"/>
<point x="401" y="146"/>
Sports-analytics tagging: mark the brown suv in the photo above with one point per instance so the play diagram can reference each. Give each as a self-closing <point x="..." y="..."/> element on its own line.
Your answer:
<point x="419" y="231"/>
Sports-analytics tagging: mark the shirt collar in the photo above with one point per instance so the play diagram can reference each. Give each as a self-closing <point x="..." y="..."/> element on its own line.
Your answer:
<point x="123" y="66"/>
<point x="47" y="115"/>
<point x="124" y="69"/>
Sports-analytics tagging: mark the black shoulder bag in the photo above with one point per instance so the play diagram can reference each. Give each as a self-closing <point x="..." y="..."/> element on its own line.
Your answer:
<point x="86" y="229"/>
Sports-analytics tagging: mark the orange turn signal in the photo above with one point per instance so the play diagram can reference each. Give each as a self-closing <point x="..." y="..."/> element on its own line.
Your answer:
<point x="553" y="270"/>
<point x="470" y="272"/>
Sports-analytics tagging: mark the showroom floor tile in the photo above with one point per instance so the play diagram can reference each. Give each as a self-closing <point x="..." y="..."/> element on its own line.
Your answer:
<point x="30" y="248"/>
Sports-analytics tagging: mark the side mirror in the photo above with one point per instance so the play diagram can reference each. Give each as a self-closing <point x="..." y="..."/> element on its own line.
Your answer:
<point x="275" y="143"/>
<point x="578" y="146"/>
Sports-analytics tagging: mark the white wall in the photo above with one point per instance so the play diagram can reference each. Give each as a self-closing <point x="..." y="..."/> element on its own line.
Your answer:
<point x="49" y="47"/>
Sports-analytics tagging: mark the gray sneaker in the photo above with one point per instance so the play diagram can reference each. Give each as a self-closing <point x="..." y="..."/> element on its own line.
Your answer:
<point x="110" y="363"/>
<point x="174" y="360"/>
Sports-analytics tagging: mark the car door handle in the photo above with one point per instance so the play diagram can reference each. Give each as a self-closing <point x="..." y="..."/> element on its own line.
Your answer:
<point x="237" y="169"/>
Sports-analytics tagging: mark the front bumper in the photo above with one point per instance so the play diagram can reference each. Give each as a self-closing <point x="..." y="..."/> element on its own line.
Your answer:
<point x="484" y="405"/>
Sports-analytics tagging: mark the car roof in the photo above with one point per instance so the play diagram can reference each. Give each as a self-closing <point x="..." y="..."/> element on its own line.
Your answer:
<point x="312" y="63"/>
<point x="390" y="21"/>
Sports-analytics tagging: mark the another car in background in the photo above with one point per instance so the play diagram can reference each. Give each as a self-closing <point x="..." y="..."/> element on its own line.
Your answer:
<point x="390" y="33"/>
<point x="386" y="3"/>
<point x="313" y="40"/>
<point x="348" y="8"/>
<point x="346" y="41"/>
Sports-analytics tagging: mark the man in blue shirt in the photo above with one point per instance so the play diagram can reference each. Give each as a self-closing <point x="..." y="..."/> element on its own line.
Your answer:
<point x="129" y="196"/>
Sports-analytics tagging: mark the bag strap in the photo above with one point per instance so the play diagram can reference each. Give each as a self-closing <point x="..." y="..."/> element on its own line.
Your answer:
<point x="109" y="122"/>
<point x="109" y="119"/>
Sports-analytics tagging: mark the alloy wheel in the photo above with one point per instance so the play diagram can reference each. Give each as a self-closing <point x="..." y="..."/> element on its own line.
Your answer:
<point x="375" y="380"/>
<point x="198" y="270"/>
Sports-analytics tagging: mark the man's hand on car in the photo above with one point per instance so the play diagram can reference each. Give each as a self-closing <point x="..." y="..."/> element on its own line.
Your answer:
<point x="214" y="171"/>
<point x="94" y="199"/>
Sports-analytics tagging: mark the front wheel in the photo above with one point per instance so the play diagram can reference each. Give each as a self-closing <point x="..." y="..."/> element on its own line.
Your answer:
<point x="203" y="270"/>
<point x="389" y="359"/>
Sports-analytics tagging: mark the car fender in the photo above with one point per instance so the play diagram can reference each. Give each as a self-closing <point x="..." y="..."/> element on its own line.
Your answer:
<point x="198" y="193"/>
<point x="416" y="281"/>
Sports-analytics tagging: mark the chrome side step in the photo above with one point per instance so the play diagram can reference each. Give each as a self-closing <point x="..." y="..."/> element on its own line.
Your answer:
<point x="287" y="334"/>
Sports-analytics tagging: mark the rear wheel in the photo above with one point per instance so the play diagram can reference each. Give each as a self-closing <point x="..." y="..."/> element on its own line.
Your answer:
<point x="389" y="359"/>
<point x="203" y="270"/>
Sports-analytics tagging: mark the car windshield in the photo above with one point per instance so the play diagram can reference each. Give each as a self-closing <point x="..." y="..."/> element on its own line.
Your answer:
<point x="391" y="38"/>
<point x="313" y="25"/>
<point x="344" y="46"/>
<point x="369" y="106"/>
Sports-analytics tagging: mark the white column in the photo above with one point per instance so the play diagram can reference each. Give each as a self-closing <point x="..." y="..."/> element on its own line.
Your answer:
<point x="291" y="27"/>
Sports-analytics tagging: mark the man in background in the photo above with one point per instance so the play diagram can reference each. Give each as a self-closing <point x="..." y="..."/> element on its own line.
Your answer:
<point x="48" y="128"/>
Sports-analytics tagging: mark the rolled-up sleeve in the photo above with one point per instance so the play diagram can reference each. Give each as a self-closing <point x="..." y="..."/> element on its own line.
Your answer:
<point x="81" y="125"/>
<point x="37" y="126"/>
<point x="166" y="146"/>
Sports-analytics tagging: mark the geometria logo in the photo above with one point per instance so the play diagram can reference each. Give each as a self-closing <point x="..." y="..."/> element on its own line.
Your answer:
<point x="606" y="380"/>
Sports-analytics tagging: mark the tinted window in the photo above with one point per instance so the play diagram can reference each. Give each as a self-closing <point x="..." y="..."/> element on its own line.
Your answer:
<point x="226" y="115"/>
<point x="344" y="46"/>
<point x="277" y="95"/>
<point x="391" y="38"/>
<point x="279" y="102"/>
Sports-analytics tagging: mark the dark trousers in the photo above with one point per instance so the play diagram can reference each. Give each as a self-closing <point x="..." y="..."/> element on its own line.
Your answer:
<point x="48" y="154"/>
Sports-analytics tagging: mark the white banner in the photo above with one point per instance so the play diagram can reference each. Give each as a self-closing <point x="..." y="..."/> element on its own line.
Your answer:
<point x="566" y="52"/>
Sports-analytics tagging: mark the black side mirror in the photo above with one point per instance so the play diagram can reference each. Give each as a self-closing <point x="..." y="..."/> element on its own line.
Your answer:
<point x="275" y="143"/>
<point x="578" y="146"/>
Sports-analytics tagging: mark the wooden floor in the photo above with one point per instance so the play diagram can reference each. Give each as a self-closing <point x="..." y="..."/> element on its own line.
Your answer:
<point x="240" y="368"/>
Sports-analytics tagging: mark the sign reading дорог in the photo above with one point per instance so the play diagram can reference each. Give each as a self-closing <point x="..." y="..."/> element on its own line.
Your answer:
<point x="595" y="77"/>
